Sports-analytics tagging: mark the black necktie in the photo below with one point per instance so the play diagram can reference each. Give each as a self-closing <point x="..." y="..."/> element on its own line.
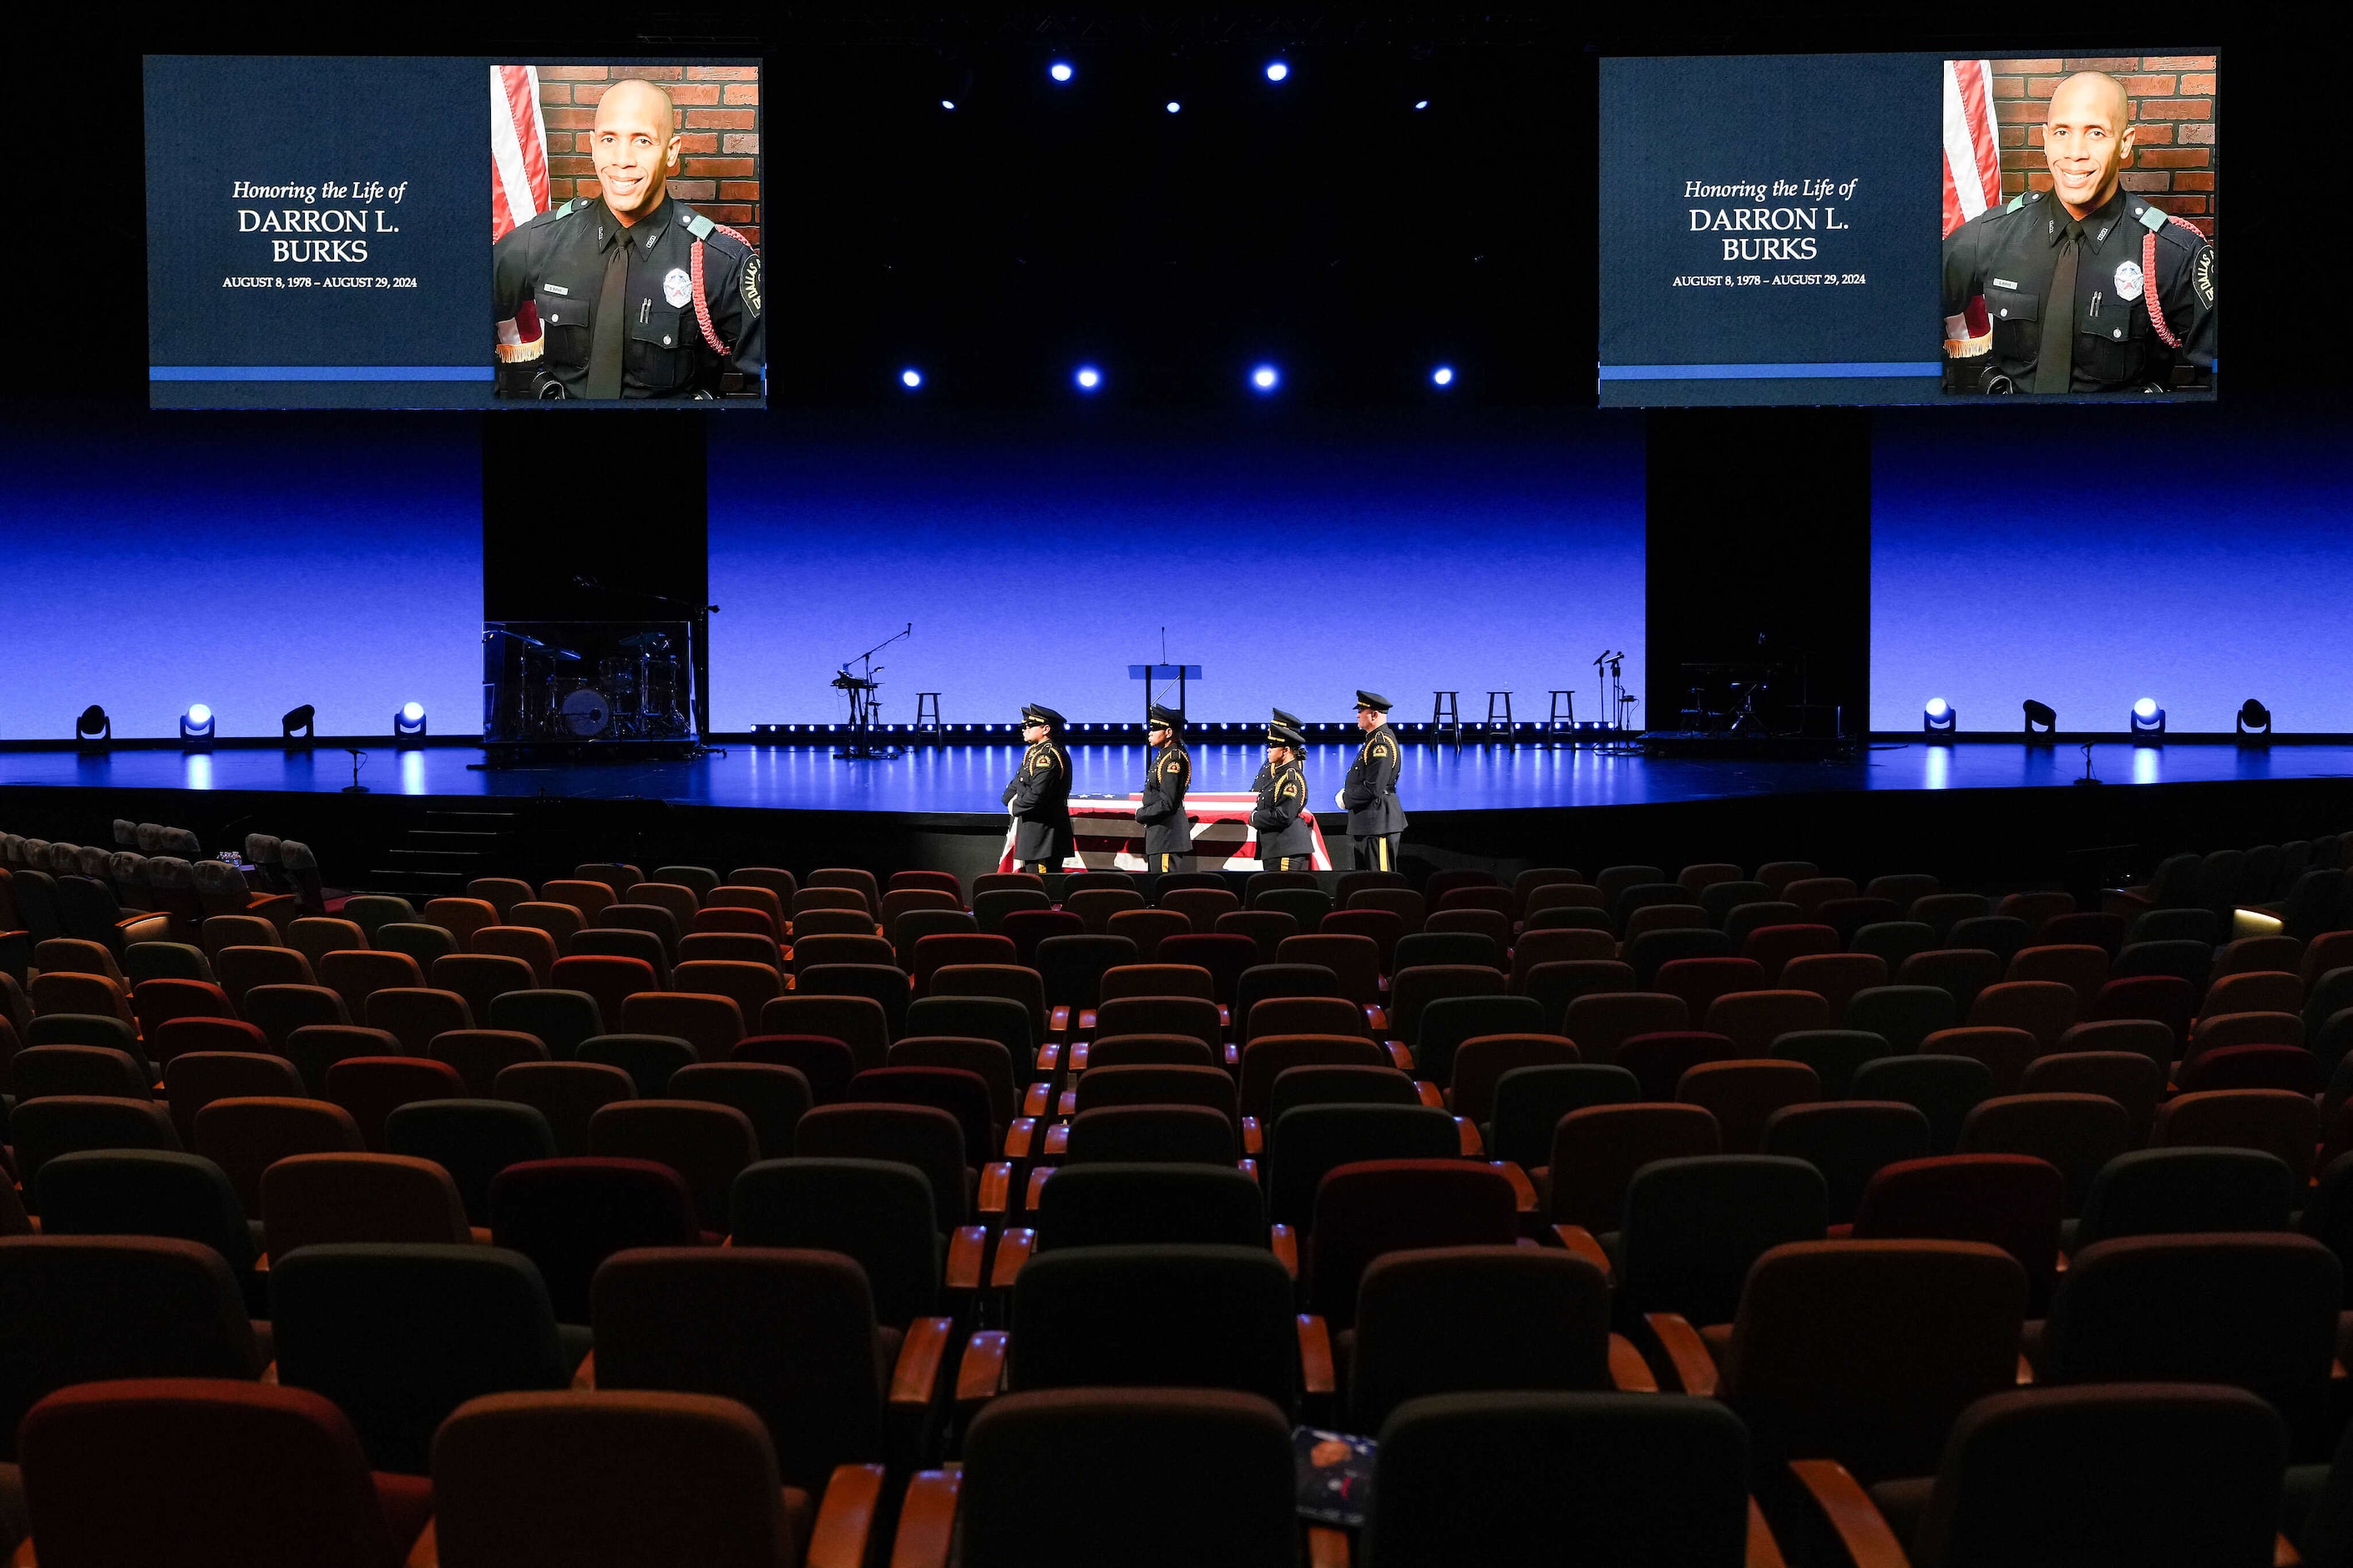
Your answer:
<point x="2054" y="360"/>
<point x="612" y="319"/>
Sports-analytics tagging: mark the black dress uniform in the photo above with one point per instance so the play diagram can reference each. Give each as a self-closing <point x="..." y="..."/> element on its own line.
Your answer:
<point x="2121" y="299"/>
<point x="1040" y="798"/>
<point x="1167" y="831"/>
<point x="1375" y="820"/>
<point x="616" y="306"/>
<point x="1265" y="769"/>
<point x="1286" y="831"/>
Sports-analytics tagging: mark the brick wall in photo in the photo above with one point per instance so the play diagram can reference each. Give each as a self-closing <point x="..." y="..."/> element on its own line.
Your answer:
<point x="2174" y="162"/>
<point x="718" y="116"/>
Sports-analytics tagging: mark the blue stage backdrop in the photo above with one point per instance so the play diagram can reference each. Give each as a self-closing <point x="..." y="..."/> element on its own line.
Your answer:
<point x="249" y="563"/>
<point x="2089" y="557"/>
<point x="1037" y="564"/>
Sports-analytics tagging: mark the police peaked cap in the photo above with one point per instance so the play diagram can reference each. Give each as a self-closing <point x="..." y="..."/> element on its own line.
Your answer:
<point x="1284" y="735"/>
<point x="1374" y="700"/>
<point x="1165" y="719"/>
<point x="1038" y="713"/>
<point x="1282" y="718"/>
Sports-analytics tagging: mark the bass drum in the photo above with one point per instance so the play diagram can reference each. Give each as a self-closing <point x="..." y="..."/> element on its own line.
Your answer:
<point x="583" y="713"/>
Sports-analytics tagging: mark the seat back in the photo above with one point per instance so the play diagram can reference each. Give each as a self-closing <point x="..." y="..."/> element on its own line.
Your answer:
<point x="1159" y="1316"/>
<point x="311" y="1199"/>
<point x="708" y="1144"/>
<point x="789" y="1332"/>
<point x="1848" y="1142"/>
<point x="399" y="1336"/>
<point x="923" y="1136"/>
<point x="1597" y="1149"/>
<point x="875" y="1212"/>
<point x="146" y="1192"/>
<point x="2174" y="1192"/>
<point x="1457" y="1320"/>
<point x="1530" y="1101"/>
<point x="569" y="1215"/>
<point x="1693" y="1227"/>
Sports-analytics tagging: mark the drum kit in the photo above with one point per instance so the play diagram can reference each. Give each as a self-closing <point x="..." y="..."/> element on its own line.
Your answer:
<point x="636" y="688"/>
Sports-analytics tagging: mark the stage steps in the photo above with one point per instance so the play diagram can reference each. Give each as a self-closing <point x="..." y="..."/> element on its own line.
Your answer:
<point x="449" y="850"/>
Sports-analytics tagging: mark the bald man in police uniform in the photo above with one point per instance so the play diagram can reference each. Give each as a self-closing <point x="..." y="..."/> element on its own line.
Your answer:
<point x="629" y="294"/>
<point x="1039" y="794"/>
<point x="1167" y="831"/>
<point x="1286" y="830"/>
<point x="2084" y="288"/>
<point x="1375" y="820"/>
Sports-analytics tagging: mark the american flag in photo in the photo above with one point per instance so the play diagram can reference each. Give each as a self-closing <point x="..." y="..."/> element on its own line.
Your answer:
<point x="518" y="149"/>
<point x="1972" y="149"/>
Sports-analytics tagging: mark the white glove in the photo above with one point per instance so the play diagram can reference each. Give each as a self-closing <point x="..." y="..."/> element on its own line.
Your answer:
<point x="1341" y="799"/>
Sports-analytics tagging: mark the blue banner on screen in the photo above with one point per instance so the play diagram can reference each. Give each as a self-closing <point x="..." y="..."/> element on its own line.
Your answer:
<point x="1907" y="228"/>
<point x="405" y="233"/>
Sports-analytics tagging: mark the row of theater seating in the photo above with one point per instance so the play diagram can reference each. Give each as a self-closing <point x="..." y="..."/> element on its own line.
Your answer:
<point x="1334" y="1120"/>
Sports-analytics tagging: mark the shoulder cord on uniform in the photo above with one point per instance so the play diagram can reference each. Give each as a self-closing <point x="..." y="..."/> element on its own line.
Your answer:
<point x="702" y="301"/>
<point x="2148" y="278"/>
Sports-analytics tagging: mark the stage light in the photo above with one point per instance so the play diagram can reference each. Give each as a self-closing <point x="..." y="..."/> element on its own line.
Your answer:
<point x="1938" y="717"/>
<point x="948" y="104"/>
<point x="197" y="728"/>
<point x="911" y="378"/>
<point x="1062" y="71"/>
<point x="2041" y="718"/>
<point x="408" y="724"/>
<point x="2254" y="719"/>
<point x="1277" y="70"/>
<point x="1172" y="106"/>
<point x="1265" y="378"/>
<point x="2147" y="718"/>
<point x="93" y="724"/>
<point x="1088" y="378"/>
<point x="1442" y="376"/>
<point x="1419" y="104"/>
<point x="299" y="724"/>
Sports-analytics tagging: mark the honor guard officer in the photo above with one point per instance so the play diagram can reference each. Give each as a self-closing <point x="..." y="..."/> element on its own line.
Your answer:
<point x="1286" y="831"/>
<point x="2084" y="288"/>
<point x="1376" y="821"/>
<point x="1280" y="719"/>
<point x="1167" y="831"/>
<point x="1039" y="794"/>
<point x="632" y="293"/>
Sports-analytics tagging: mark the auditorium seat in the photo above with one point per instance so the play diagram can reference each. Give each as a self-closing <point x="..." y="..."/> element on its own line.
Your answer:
<point x="262" y="1476"/>
<point x="477" y="1056"/>
<point x="937" y="951"/>
<point x="772" y="1098"/>
<point x="876" y="1213"/>
<point x="370" y="912"/>
<point x="356" y="974"/>
<point x="885" y="984"/>
<point x="91" y="1308"/>
<point x="2005" y="1052"/>
<point x="1596" y="1149"/>
<point x="1610" y="1478"/>
<point x="42" y="1130"/>
<point x="560" y="922"/>
<point x="315" y="936"/>
<point x="2076" y="1133"/>
<point x="236" y="930"/>
<point x="858" y="1022"/>
<point x="1848" y="1142"/>
<point x="533" y="946"/>
<point x="2163" y="1192"/>
<point x="1903" y="1014"/>
<point x="373" y="1088"/>
<point x="2043" y="1008"/>
<point x="156" y="1192"/>
<point x="400" y="1335"/>
<point x="1773" y="946"/>
<point x="2253" y="1066"/>
<point x="608" y="980"/>
<point x="501" y="893"/>
<point x="2082" y="965"/>
<point x="193" y="1079"/>
<point x="315" y="1048"/>
<point x="310" y="1200"/>
<point x="473" y="1140"/>
<point x="1753" y="1020"/>
<point x="2275" y="1121"/>
<point x="825" y="1064"/>
<point x="1944" y="1088"/>
<point x="1962" y="970"/>
<point x="929" y="1139"/>
<point x="1741" y="1094"/>
<point x="1833" y="1054"/>
<point x="569" y="1215"/>
<point x="41" y="1071"/>
<point x="1693" y="1227"/>
<point x="991" y="906"/>
<point x="420" y="939"/>
<point x="711" y="1024"/>
<point x="2014" y="1202"/>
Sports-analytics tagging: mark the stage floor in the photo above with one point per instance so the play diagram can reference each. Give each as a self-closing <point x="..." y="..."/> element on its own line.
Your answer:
<point x="971" y="779"/>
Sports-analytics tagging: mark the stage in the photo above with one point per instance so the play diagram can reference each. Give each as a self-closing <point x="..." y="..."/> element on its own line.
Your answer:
<point x="971" y="779"/>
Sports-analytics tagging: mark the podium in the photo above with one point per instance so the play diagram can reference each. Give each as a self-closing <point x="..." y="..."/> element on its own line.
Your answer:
<point x="1148" y="673"/>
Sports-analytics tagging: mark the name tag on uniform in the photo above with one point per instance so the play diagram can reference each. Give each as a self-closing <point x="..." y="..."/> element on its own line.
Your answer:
<point x="2004" y="283"/>
<point x="553" y="288"/>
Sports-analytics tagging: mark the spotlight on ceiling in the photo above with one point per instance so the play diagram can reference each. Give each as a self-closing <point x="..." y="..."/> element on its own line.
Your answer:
<point x="299" y="724"/>
<point x="1088" y="378"/>
<point x="1938" y="717"/>
<point x="1266" y="378"/>
<point x="1173" y="107"/>
<point x="197" y="728"/>
<point x="2254" y="719"/>
<point x="948" y="104"/>
<point x="1419" y="104"/>
<point x="1278" y="70"/>
<point x="2147" y="718"/>
<point x="1062" y="71"/>
<point x="1442" y="376"/>
<point x="911" y="378"/>
<point x="93" y="724"/>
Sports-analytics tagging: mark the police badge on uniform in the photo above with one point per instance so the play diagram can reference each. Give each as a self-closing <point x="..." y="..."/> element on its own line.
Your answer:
<point x="676" y="287"/>
<point x="2128" y="280"/>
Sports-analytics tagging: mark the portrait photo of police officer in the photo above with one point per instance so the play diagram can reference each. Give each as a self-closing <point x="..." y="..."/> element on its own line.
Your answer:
<point x="2086" y="279"/>
<point x="624" y="291"/>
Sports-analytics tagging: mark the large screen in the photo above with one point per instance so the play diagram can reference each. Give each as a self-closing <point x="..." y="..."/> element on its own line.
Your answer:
<point x="1907" y="228"/>
<point x="453" y="232"/>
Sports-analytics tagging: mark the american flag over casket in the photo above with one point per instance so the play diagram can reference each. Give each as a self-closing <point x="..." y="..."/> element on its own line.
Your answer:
<point x="1107" y="837"/>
